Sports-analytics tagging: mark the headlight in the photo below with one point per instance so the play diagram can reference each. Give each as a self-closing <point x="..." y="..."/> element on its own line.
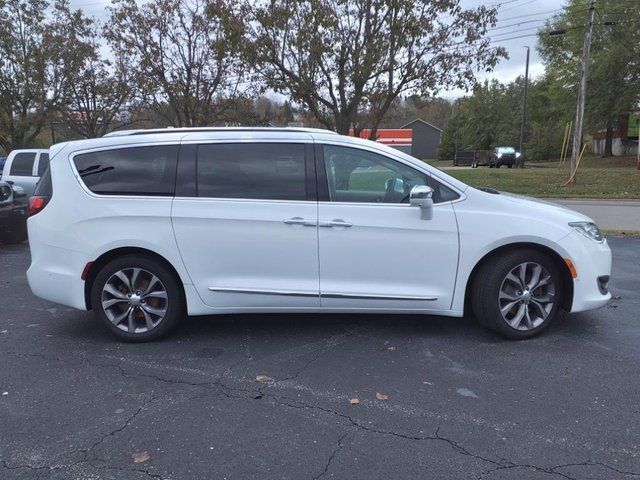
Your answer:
<point x="499" y="155"/>
<point x="589" y="230"/>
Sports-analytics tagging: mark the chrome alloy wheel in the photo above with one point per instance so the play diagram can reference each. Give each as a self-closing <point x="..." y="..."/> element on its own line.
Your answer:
<point x="527" y="296"/>
<point x="134" y="300"/>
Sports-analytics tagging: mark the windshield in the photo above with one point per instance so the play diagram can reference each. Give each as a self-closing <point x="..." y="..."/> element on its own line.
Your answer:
<point x="505" y="150"/>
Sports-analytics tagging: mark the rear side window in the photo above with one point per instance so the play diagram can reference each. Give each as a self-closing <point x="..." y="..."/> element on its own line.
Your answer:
<point x="43" y="163"/>
<point x="271" y="171"/>
<point x="130" y="171"/>
<point x="22" y="164"/>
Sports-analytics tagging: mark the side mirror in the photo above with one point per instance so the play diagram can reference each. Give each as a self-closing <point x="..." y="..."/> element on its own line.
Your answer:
<point x="422" y="196"/>
<point x="18" y="191"/>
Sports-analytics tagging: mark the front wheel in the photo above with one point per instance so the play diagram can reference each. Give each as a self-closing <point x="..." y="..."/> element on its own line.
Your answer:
<point x="518" y="294"/>
<point x="137" y="298"/>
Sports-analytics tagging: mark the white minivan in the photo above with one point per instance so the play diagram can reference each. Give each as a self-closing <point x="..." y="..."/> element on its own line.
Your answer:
<point x="145" y="227"/>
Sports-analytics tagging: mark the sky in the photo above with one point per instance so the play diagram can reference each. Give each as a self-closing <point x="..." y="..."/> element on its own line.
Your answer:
<point x="516" y="18"/>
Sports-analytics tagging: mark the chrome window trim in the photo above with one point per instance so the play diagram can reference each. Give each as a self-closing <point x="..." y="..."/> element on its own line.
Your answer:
<point x="244" y="200"/>
<point x="86" y="189"/>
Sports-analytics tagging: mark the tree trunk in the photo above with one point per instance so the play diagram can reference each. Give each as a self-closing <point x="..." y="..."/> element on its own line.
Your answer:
<point x="608" y="143"/>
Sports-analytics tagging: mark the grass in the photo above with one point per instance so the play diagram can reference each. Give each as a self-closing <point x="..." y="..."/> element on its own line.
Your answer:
<point x="612" y="178"/>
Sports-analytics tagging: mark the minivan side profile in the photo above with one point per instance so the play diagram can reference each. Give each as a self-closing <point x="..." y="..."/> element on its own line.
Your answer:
<point x="146" y="227"/>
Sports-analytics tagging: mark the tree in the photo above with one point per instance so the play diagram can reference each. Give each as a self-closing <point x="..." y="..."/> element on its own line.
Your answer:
<point x="98" y="99"/>
<point x="32" y="70"/>
<point x="184" y="55"/>
<point x="614" y="67"/>
<point x="346" y="59"/>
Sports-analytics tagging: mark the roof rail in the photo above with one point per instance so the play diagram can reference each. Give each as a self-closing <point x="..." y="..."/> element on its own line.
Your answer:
<point x="119" y="133"/>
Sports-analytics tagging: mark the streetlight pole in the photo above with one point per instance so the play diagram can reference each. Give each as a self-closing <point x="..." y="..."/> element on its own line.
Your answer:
<point x="524" y="110"/>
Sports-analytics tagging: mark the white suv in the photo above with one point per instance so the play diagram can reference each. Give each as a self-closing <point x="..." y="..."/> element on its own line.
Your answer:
<point x="145" y="227"/>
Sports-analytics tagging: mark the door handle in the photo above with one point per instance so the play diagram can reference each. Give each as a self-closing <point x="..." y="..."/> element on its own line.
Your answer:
<point x="300" y="221"/>
<point x="337" y="222"/>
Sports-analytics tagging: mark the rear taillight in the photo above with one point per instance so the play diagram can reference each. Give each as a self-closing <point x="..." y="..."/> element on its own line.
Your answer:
<point x="37" y="204"/>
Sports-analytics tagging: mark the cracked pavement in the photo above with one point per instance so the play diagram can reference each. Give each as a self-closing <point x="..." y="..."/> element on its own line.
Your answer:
<point x="462" y="403"/>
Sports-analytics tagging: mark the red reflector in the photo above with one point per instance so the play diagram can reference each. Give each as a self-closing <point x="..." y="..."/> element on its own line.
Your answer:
<point x="86" y="270"/>
<point x="36" y="204"/>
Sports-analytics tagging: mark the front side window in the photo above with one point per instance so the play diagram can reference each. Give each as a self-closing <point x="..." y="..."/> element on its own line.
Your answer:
<point x="22" y="164"/>
<point x="356" y="175"/>
<point x="148" y="170"/>
<point x="268" y="171"/>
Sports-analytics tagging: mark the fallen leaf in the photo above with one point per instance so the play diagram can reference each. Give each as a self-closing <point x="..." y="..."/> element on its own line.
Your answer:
<point x="381" y="396"/>
<point x="426" y="383"/>
<point x="354" y="401"/>
<point x="5" y="393"/>
<point x="392" y="348"/>
<point x="141" y="457"/>
<point x="263" y="378"/>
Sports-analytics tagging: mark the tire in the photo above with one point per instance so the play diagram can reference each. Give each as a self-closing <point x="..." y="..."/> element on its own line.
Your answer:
<point x="498" y="165"/>
<point x="491" y="165"/>
<point x="509" y="166"/>
<point x="145" y="300"/>
<point x="15" y="234"/>
<point x="492" y="289"/>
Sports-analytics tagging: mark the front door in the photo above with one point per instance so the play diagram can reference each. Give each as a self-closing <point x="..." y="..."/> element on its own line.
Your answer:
<point x="375" y="250"/>
<point x="248" y="236"/>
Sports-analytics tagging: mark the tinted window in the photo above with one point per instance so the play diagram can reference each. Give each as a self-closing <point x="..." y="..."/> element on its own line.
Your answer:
<point x="356" y="175"/>
<point x="23" y="164"/>
<point x="44" y="186"/>
<point x="272" y="171"/>
<point x="130" y="171"/>
<point x="43" y="163"/>
<point x="442" y="193"/>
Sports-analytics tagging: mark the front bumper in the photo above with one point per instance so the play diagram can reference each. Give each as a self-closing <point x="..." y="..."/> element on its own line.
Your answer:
<point x="593" y="263"/>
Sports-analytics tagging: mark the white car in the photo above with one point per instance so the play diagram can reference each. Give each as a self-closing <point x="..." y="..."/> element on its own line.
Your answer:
<point x="145" y="227"/>
<point x="24" y="168"/>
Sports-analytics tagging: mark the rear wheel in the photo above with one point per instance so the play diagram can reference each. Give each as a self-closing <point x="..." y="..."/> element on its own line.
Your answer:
<point x="137" y="298"/>
<point x="518" y="294"/>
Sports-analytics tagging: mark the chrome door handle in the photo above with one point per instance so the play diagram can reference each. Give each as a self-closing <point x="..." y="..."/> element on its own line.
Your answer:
<point x="337" y="222"/>
<point x="300" y="221"/>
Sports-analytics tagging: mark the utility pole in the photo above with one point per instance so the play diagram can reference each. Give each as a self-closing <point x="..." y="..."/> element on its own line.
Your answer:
<point x="582" y="92"/>
<point x="455" y="154"/>
<point x="524" y="110"/>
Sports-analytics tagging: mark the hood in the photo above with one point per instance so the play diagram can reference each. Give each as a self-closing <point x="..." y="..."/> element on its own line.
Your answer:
<point x="533" y="206"/>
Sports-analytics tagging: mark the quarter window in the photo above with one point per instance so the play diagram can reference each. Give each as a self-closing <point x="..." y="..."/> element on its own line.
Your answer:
<point x="149" y="170"/>
<point x="356" y="175"/>
<point x="272" y="171"/>
<point x="22" y="164"/>
<point x="43" y="163"/>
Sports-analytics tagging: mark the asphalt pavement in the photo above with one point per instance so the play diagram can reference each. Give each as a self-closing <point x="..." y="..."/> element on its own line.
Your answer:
<point x="319" y="396"/>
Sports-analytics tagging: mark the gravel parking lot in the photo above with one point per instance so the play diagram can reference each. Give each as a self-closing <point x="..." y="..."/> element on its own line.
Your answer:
<point x="274" y="396"/>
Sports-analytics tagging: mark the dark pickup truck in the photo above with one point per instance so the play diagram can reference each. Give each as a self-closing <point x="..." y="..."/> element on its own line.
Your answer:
<point x="13" y="214"/>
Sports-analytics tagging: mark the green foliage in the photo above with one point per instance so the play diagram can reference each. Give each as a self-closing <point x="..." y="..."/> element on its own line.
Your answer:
<point x="614" y="70"/>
